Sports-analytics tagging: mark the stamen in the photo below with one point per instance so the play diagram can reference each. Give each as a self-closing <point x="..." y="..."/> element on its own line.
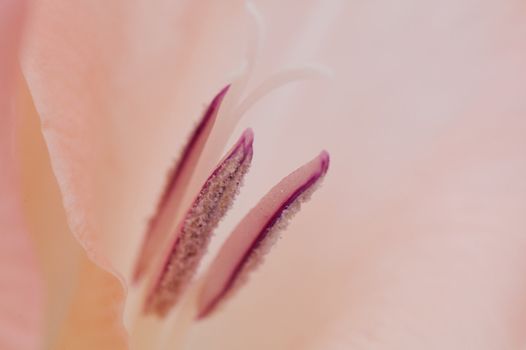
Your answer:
<point x="212" y="202"/>
<point x="164" y="219"/>
<point x="253" y="237"/>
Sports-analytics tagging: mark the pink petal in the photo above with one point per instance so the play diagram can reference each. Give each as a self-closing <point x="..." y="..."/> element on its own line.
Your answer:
<point x="94" y="320"/>
<point x="80" y="297"/>
<point x="20" y="284"/>
<point x="246" y="246"/>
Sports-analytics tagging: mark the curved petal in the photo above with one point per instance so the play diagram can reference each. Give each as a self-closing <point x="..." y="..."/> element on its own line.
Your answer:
<point x="117" y="86"/>
<point x="417" y="239"/>
<point x="94" y="320"/>
<point x="80" y="297"/>
<point x="20" y="284"/>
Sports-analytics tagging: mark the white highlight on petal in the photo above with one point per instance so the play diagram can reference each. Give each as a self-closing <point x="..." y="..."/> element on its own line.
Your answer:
<point x="254" y="44"/>
<point x="278" y="80"/>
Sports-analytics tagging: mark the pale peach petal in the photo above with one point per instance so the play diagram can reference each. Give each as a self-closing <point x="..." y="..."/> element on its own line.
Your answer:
<point x="20" y="284"/>
<point x="117" y="86"/>
<point x="81" y="298"/>
<point x="417" y="239"/>
<point x="93" y="321"/>
<point x="57" y="251"/>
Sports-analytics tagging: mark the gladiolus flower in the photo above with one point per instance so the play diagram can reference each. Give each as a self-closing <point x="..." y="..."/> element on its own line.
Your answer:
<point x="130" y="219"/>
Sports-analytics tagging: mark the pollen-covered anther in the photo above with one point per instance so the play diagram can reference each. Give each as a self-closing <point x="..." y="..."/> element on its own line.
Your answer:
<point x="194" y="233"/>
<point x="251" y="240"/>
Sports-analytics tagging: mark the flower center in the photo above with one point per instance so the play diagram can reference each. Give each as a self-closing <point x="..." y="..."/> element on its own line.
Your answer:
<point x="193" y="203"/>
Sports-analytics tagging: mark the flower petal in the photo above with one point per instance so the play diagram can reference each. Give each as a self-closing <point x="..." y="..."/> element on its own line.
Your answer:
<point x="58" y="252"/>
<point x="20" y="283"/>
<point x="94" y="320"/>
<point x="79" y="309"/>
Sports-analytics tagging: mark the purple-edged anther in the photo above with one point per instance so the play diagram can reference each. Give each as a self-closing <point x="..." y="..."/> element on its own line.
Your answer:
<point x="254" y="235"/>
